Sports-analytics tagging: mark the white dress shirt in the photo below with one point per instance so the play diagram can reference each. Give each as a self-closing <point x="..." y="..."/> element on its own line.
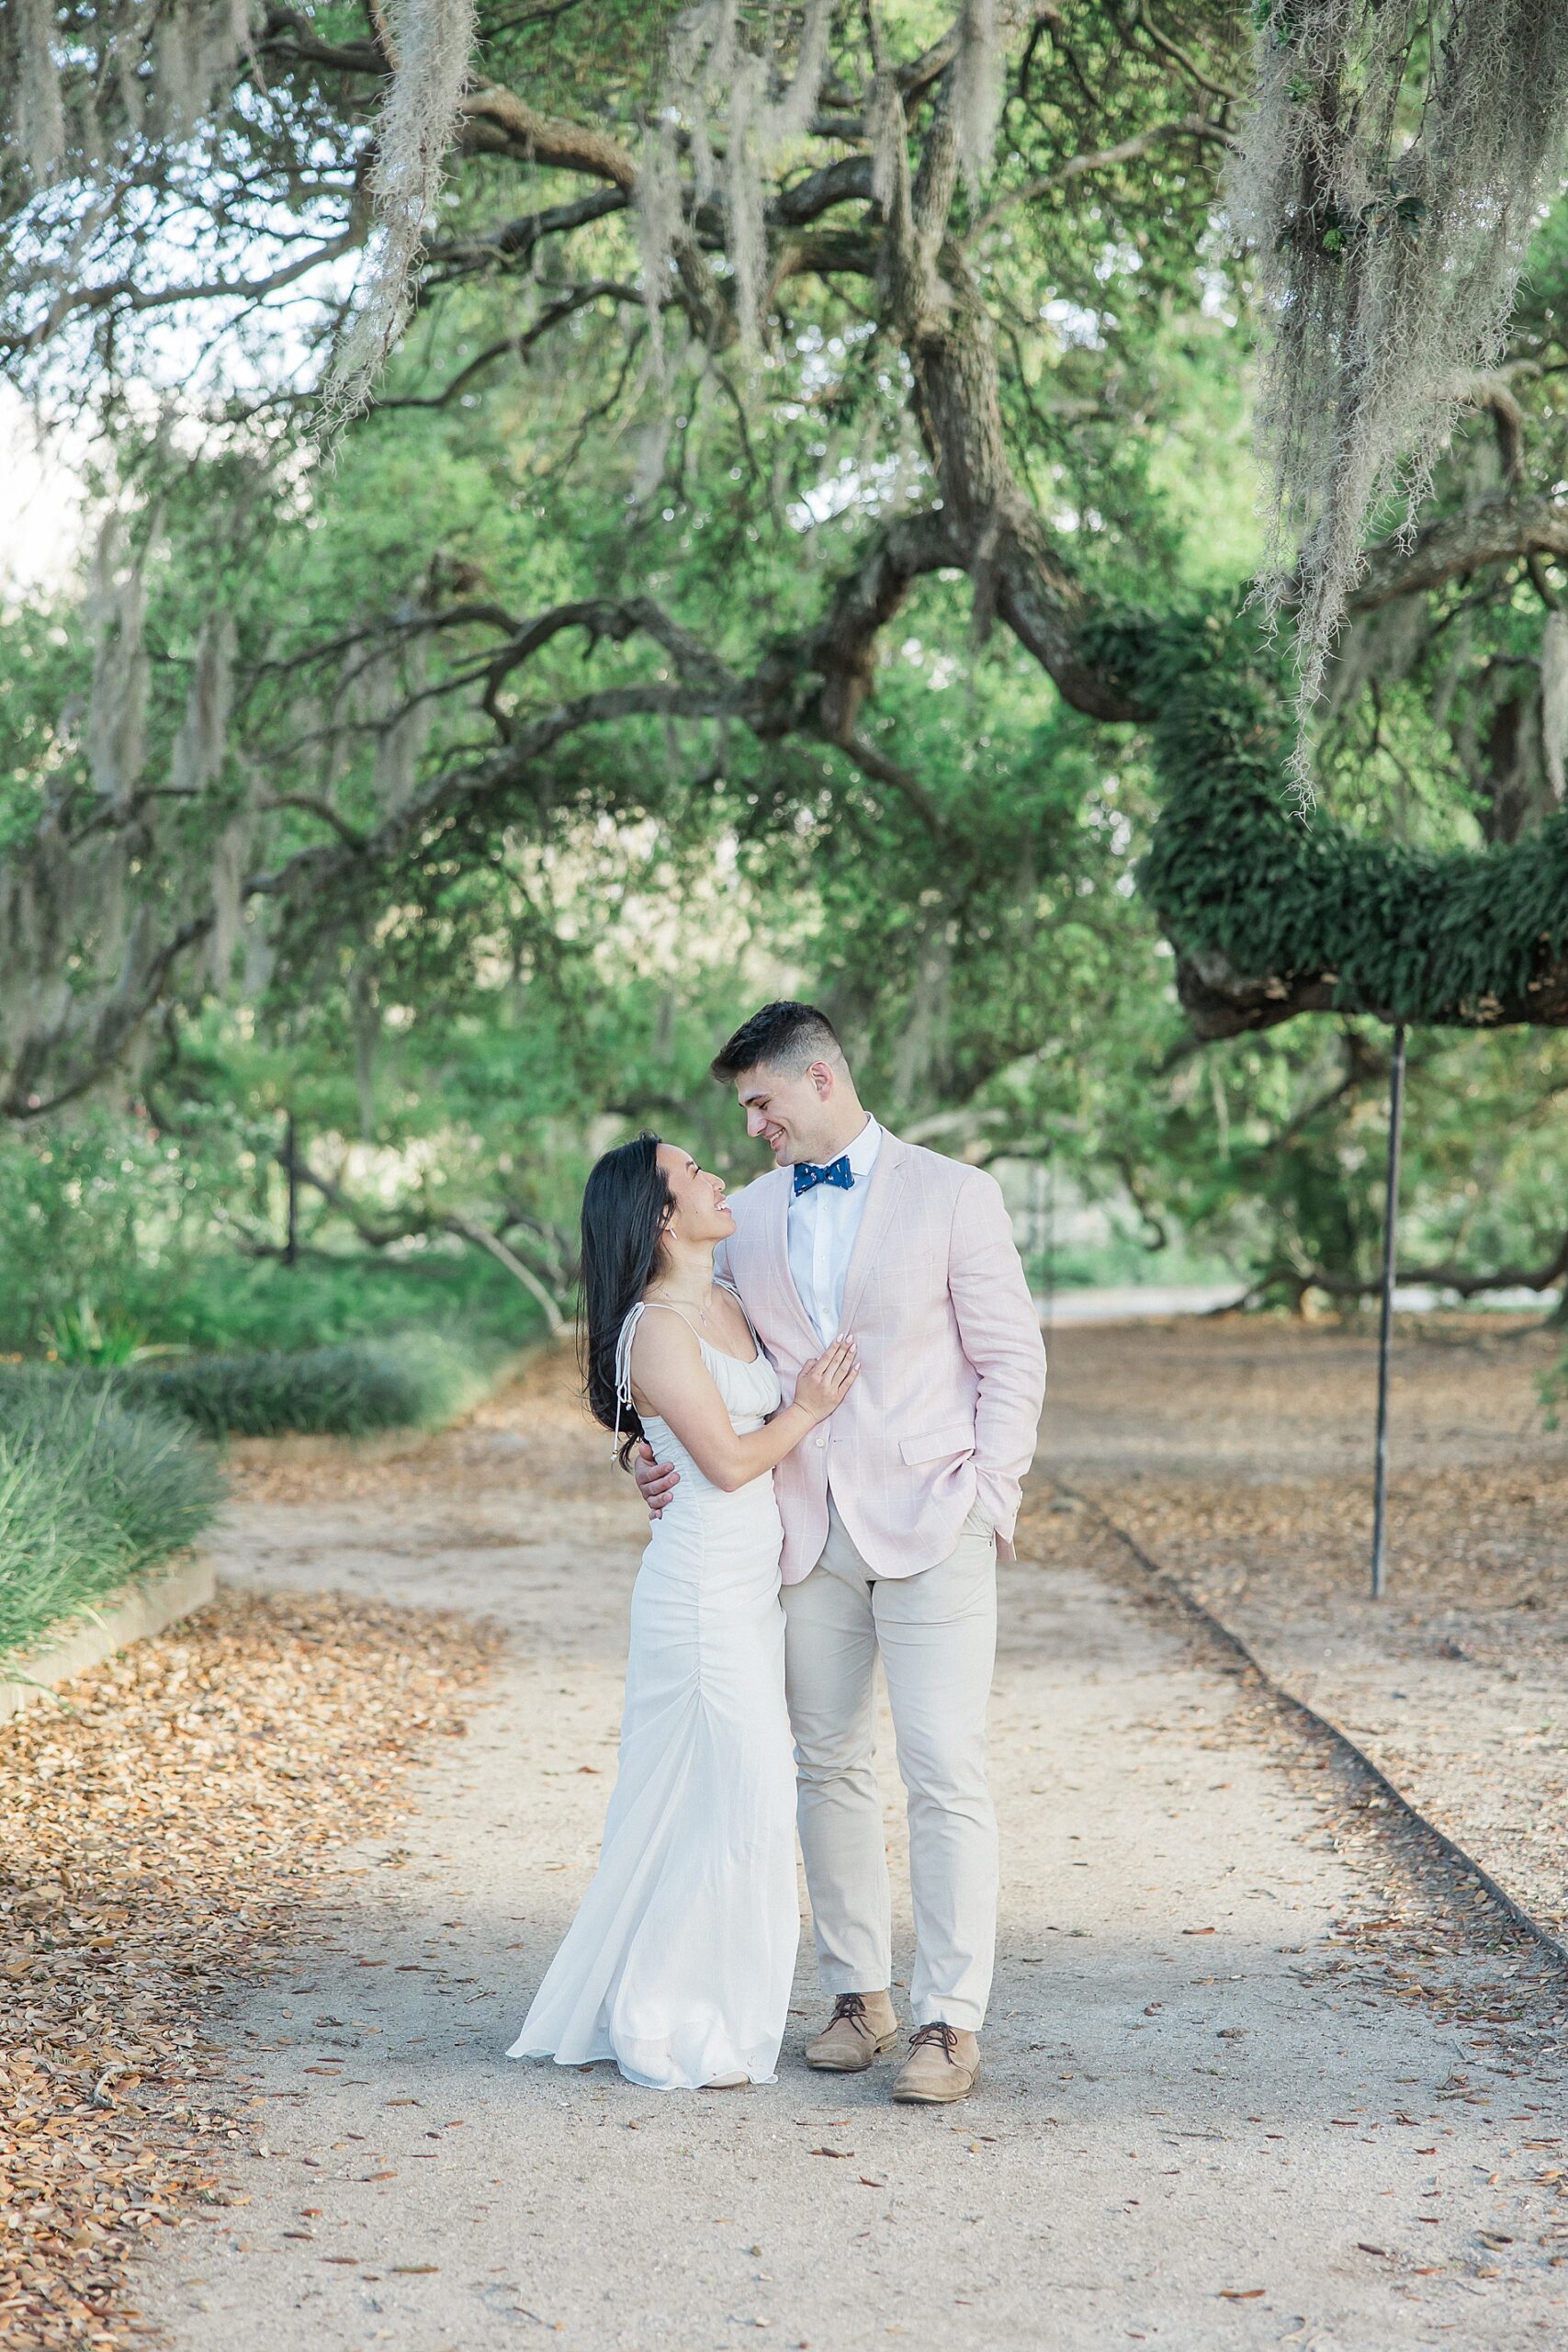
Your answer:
<point x="823" y="1223"/>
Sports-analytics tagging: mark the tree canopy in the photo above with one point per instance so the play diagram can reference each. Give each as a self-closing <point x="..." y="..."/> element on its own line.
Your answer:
<point x="801" y="534"/>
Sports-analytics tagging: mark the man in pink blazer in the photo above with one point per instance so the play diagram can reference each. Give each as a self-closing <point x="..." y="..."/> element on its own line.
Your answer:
<point x="892" y="1514"/>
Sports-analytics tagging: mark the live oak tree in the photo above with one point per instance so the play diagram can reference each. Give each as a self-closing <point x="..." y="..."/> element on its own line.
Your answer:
<point x="899" y="278"/>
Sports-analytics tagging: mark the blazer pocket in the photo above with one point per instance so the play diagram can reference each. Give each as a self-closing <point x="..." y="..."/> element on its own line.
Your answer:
<point x="941" y="1446"/>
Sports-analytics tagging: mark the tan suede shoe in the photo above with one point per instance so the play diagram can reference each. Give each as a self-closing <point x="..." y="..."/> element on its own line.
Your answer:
<point x="863" y="2025"/>
<point x="943" y="2063"/>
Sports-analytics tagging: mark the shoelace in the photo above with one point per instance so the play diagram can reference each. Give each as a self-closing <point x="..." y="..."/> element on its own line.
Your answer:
<point x="851" y="2008"/>
<point x="929" y="2035"/>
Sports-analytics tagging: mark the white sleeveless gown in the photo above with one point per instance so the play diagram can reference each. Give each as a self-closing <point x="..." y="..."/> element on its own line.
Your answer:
<point x="680" y="1962"/>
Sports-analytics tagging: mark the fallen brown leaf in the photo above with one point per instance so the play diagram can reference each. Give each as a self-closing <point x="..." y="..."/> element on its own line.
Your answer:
<point x="151" y="1847"/>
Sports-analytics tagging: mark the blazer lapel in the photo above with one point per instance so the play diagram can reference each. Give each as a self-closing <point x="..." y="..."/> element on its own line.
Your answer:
<point x="885" y="1183"/>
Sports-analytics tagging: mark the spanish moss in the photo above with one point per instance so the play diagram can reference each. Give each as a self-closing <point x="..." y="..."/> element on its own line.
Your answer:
<point x="430" y="43"/>
<point x="1392" y="170"/>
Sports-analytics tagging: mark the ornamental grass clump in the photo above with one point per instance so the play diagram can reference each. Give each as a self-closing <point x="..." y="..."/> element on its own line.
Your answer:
<point x="94" y="1493"/>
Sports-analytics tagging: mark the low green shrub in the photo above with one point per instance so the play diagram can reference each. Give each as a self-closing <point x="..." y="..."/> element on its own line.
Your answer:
<point x="221" y="1306"/>
<point x="94" y="1491"/>
<point x="419" y="1382"/>
<point x="114" y="1247"/>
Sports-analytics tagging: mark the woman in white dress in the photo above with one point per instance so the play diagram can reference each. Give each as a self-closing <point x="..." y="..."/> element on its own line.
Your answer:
<point x="679" y="1963"/>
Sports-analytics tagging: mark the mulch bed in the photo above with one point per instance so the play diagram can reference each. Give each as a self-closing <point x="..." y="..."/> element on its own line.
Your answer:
<point x="1238" y="1454"/>
<point x="1269" y="1557"/>
<point x="161" y="1837"/>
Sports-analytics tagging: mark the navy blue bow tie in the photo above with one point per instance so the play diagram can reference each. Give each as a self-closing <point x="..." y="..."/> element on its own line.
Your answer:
<point x="838" y="1172"/>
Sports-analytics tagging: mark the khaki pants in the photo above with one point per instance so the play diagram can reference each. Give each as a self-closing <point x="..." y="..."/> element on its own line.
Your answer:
<point x="937" y="1633"/>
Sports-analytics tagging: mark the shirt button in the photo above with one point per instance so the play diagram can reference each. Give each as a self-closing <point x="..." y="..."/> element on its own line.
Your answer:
<point x="820" y="1443"/>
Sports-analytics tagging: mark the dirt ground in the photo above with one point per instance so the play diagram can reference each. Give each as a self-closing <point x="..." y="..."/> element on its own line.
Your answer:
<point x="1240" y="1453"/>
<point x="1259" y="2069"/>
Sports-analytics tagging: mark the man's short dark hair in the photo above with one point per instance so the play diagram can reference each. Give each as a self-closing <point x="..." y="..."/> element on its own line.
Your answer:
<point x="787" y="1036"/>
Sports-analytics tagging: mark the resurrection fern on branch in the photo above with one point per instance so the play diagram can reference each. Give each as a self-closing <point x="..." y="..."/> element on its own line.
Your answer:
<point x="1390" y="173"/>
<point x="1270" y="917"/>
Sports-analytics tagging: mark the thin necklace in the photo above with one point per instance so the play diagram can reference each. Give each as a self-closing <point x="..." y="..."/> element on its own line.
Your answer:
<point x="700" y="1312"/>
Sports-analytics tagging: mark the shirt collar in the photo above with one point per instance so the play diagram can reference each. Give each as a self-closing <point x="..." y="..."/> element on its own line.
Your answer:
<point x="862" y="1153"/>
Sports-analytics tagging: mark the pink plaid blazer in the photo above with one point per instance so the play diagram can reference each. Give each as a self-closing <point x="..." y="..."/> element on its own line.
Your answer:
<point x="946" y="1410"/>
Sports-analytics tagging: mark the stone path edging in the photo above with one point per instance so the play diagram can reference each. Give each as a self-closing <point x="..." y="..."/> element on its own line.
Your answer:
<point x="1172" y="1588"/>
<point x="130" y="1615"/>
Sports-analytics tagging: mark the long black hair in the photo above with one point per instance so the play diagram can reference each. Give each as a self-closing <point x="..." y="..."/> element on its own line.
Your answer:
<point x="626" y="1204"/>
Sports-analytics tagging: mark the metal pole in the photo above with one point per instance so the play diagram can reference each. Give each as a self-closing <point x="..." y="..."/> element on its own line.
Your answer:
<point x="1051" y="1234"/>
<point x="291" y="1242"/>
<point x="1044" y="1229"/>
<point x="1385" y="1324"/>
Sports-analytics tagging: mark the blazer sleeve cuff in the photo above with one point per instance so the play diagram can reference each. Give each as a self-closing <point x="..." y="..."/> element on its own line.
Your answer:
<point x="999" y="1500"/>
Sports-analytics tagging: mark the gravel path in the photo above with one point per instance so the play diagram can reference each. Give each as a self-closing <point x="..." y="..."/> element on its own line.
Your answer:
<point x="1239" y="1455"/>
<point x="1207" y="2117"/>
